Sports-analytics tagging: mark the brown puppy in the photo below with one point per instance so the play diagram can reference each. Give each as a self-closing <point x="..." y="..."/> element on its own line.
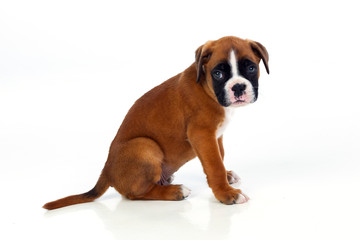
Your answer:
<point x="180" y="119"/>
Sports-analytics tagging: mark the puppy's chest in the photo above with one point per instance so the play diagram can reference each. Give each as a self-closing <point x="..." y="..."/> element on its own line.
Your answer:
<point x="228" y="115"/>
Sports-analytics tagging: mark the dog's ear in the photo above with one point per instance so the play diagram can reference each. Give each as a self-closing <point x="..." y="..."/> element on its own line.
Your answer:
<point x="261" y="52"/>
<point x="202" y="56"/>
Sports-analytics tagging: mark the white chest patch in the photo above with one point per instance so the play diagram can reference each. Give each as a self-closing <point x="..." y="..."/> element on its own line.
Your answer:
<point x="228" y="115"/>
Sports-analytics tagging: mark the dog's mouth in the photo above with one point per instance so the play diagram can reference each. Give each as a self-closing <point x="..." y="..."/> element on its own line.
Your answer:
<point x="239" y="100"/>
<point x="239" y="103"/>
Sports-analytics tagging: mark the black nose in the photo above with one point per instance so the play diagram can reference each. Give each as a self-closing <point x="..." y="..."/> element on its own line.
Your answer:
<point x="238" y="89"/>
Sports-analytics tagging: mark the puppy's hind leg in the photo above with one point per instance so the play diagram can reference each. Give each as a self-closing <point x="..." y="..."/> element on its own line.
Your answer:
<point x="136" y="171"/>
<point x="164" y="192"/>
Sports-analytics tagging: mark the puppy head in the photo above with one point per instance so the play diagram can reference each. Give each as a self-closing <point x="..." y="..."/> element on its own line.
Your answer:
<point x="230" y="67"/>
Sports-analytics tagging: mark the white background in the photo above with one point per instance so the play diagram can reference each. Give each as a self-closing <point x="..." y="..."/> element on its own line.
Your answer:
<point x="70" y="70"/>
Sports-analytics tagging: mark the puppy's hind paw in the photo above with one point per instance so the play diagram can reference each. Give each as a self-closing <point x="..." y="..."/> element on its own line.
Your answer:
<point x="232" y="177"/>
<point x="185" y="191"/>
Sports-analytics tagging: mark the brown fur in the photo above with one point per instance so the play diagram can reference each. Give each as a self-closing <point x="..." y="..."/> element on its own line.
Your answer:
<point x="168" y="126"/>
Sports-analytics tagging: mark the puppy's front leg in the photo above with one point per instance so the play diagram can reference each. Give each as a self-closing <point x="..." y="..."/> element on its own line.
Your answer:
<point x="232" y="177"/>
<point x="206" y="146"/>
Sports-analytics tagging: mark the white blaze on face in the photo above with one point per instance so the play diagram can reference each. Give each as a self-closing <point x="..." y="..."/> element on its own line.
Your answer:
<point x="233" y="64"/>
<point x="248" y="96"/>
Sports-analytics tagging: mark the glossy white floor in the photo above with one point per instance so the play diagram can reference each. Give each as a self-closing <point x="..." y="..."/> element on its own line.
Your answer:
<point x="290" y="198"/>
<point x="68" y="78"/>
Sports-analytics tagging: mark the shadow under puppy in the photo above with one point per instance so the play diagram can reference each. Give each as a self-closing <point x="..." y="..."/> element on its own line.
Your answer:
<point x="180" y="119"/>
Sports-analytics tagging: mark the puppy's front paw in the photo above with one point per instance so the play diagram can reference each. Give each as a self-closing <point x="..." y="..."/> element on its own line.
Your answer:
<point x="231" y="196"/>
<point x="232" y="177"/>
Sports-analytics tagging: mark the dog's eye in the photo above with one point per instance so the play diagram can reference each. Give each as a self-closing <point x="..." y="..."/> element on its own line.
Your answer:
<point x="251" y="69"/>
<point x="218" y="75"/>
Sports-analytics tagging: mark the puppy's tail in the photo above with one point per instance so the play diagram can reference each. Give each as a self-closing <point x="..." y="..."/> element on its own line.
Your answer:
<point x="101" y="186"/>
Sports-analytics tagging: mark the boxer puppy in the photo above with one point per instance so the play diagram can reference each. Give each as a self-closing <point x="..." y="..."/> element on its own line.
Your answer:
<point x="182" y="118"/>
